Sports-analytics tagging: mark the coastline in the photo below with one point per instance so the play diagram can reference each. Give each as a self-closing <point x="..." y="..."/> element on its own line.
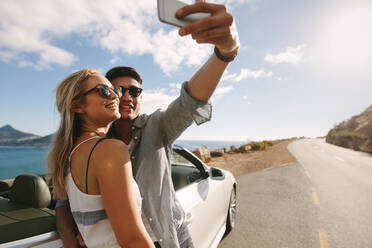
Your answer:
<point x="189" y="144"/>
<point x="23" y="159"/>
<point x="31" y="159"/>
<point x="23" y="146"/>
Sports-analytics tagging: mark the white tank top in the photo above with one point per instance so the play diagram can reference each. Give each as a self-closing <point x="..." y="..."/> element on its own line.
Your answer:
<point x="90" y="215"/>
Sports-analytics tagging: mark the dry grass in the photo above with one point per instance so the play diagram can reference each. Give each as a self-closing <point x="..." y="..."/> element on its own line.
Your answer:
<point x="242" y="163"/>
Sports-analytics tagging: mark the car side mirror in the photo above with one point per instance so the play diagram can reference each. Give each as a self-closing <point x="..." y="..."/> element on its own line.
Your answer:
<point x="217" y="174"/>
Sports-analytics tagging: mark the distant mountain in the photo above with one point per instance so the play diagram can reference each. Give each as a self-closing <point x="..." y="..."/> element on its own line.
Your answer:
<point x="13" y="137"/>
<point x="355" y="133"/>
<point x="8" y="133"/>
<point x="43" y="141"/>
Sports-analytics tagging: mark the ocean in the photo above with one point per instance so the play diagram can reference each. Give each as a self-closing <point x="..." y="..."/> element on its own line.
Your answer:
<point x="32" y="160"/>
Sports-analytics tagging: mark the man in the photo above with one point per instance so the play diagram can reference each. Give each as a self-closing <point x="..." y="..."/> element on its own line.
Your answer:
<point x="150" y="137"/>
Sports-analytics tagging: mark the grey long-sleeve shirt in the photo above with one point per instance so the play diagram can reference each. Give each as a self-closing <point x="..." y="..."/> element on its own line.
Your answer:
<point x="150" y="156"/>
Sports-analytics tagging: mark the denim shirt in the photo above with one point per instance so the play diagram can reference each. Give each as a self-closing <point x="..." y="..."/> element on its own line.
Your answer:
<point x="153" y="136"/>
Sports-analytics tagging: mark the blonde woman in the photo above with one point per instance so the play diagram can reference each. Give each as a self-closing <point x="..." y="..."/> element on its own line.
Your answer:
<point x="93" y="172"/>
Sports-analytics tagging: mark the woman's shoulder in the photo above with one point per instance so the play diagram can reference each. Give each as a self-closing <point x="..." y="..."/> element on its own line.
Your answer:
<point x="111" y="152"/>
<point x="111" y="145"/>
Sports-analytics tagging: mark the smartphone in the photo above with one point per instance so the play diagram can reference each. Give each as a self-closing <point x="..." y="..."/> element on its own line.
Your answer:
<point x="167" y="13"/>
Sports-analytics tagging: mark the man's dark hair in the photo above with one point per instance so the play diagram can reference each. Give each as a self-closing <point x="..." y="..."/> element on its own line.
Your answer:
<point x="123" y="71"/>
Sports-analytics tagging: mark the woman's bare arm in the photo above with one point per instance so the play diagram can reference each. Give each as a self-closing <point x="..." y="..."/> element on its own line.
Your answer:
<point x="114" y="176"/>
<point x="66" y="227"/>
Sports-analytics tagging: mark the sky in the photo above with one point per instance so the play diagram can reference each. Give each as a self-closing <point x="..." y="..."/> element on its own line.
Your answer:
<point x="303" y="66"/>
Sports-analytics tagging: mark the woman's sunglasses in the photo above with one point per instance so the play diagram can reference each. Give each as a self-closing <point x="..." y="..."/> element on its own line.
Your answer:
<point x="132" y="90"/>
<point x="105" y="91"/>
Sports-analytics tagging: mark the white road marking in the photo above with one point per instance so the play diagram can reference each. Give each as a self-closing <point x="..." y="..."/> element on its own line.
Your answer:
<point x="340" y="159"/>
<point x="286" y="164"/>
<point x="307" y="174"/>
<point x="303" y="165"/>
<point x="315" y="197"/>
<point x="282" y="165"/>
<point x="323" y="239"/>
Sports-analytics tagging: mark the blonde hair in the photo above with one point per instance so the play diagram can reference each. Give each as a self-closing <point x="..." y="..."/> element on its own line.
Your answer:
<point x="69" y="129"/>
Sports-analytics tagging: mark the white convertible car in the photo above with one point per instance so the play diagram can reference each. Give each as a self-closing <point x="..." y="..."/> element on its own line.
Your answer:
<point x="207" y="194"/>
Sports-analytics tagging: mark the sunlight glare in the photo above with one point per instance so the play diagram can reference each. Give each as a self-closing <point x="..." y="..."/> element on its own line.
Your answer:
<point x="346" y="37"/>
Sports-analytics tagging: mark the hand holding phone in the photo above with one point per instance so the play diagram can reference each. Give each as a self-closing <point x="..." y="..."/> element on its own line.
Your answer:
<point x="218" y="28"/>
<point x="167" y="13"/>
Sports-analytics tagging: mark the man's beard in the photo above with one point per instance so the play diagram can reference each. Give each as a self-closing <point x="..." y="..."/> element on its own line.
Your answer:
<point x="129" y="117"/>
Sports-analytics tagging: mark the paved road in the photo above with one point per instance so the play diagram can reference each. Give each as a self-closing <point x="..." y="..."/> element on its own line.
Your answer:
<point x="324" y="200"/>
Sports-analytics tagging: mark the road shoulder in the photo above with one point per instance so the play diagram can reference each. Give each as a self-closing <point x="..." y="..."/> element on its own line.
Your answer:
<point x="243" y="163"/>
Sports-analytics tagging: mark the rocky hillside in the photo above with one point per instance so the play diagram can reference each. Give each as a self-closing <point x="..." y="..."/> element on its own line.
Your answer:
<point x="8" y="133"/>
<point x="355" y="133"/>
<point x="13" y="137"/>
<point x="43" y="141"/>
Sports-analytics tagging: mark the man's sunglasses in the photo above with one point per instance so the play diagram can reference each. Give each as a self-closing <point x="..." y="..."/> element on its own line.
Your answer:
<point x="105" y="91"/>
<point x="132" y="90"/>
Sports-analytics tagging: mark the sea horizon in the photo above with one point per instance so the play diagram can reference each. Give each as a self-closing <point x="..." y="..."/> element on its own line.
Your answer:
<point x="16" y="160"/>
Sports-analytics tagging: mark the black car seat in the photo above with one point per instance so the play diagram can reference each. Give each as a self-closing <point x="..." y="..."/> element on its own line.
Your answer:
<point x="30" y="190"/>
<point x="25" y="213"/>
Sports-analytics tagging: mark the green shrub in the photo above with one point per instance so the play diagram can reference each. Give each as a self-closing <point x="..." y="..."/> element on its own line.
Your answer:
<point x="257" y="145"/>
<point x="347" y="139"/>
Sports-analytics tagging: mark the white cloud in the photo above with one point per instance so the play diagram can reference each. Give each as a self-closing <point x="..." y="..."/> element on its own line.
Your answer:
<point x="115" y="60"/>
<point x="6" y="56"/>
<point x="24" y="63"/>
<point x="155" y="99"/>
<point x="27" y="29"/>
<point x="170" y="51"/>
<point x="159" y="98"/>
<point x="227" y="76"/>
<point x="30" y="32"/>
<point x="281" y="78"/>
<point x="228" y="2"/>
<point x="245" y="73"/>
<point x="175" y="87"/>
<point x="246" y="99"/>
<point x="292" y="55"/>
<point x="220" y="91"/>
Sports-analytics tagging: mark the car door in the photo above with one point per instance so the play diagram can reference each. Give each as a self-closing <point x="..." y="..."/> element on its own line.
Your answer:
<point x="202" y="197"/>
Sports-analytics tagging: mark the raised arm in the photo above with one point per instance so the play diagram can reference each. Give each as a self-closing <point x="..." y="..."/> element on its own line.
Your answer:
<point x="219" y="30"/>
<point x="115" y="180"/>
